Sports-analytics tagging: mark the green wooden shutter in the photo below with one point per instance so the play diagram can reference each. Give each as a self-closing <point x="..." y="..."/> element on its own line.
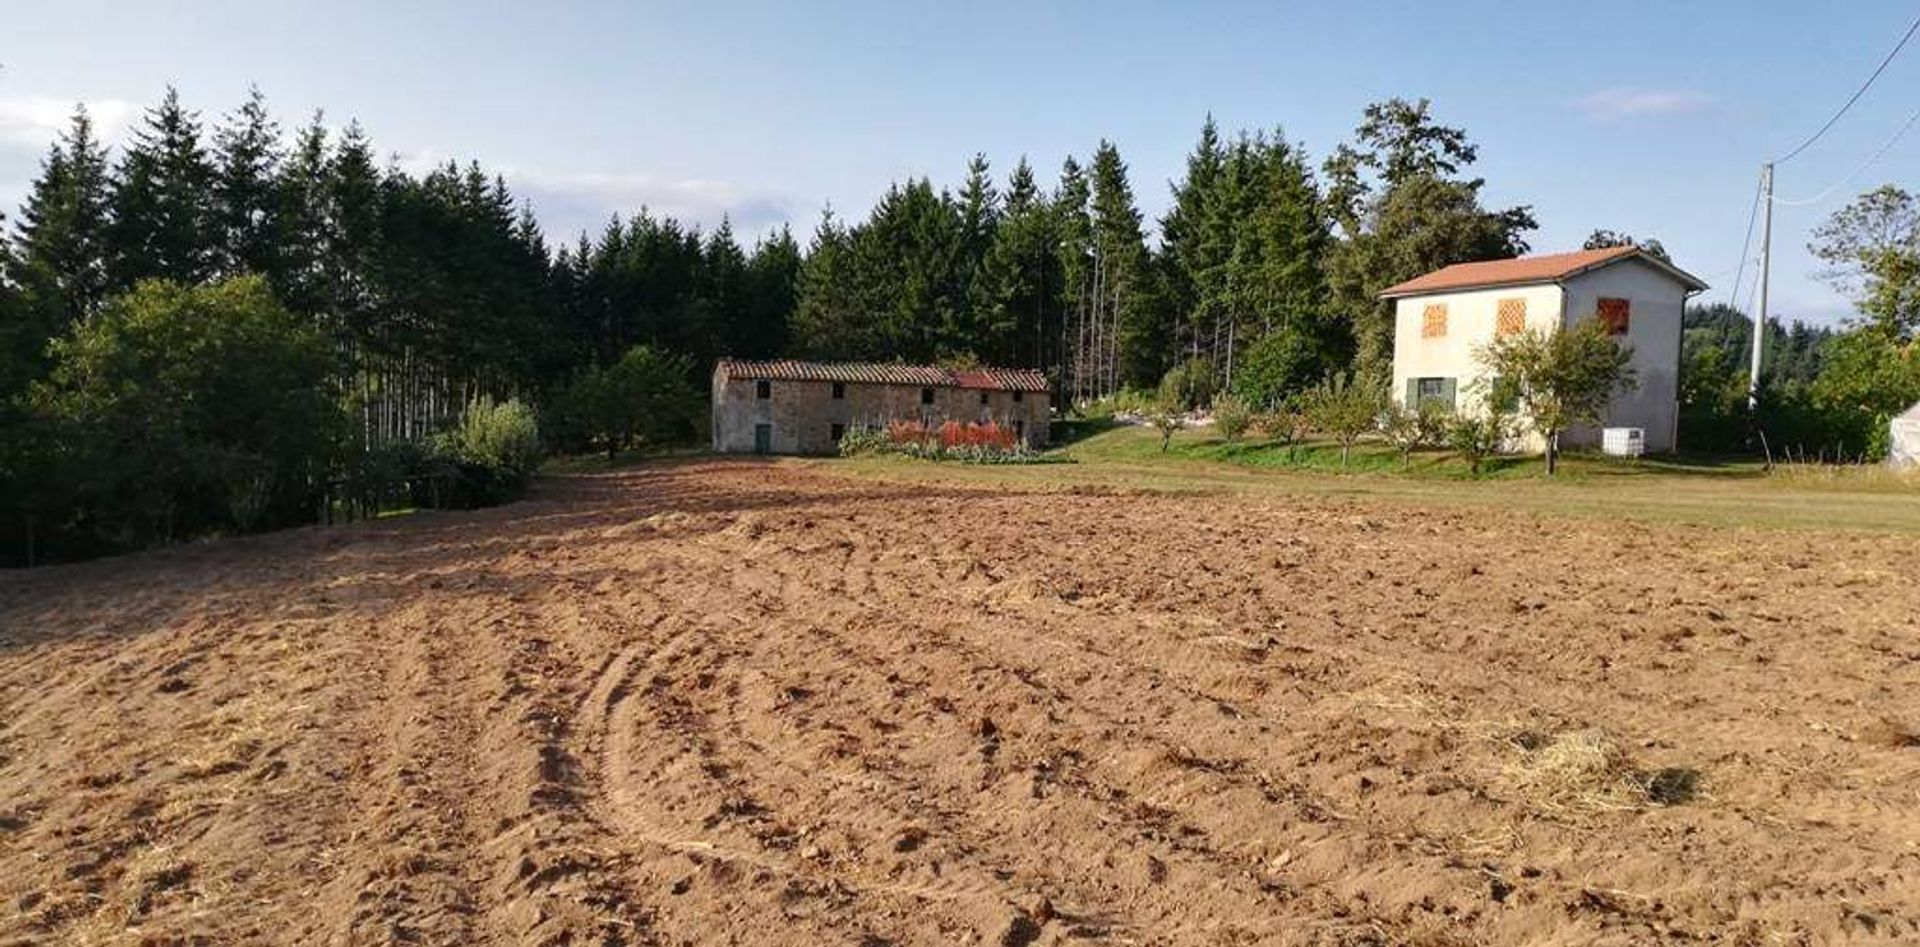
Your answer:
<point x="1446" y="392"/>
<point x="1413" y="393"/>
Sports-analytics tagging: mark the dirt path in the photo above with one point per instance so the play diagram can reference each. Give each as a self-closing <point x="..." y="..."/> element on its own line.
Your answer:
<point x="742" y="703"/>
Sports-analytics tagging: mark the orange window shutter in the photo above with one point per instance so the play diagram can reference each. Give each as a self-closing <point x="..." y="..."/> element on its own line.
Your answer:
<point x="1512" y="318"/>
<point x="1615" y="314"/>
<point x="1433" y="321"/>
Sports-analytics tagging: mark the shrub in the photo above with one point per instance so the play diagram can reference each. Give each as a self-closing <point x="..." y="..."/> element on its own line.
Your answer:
<point x="1409" y="429"/>
<point x="503" y="435"/>
<point x="644" y="396"/>
<point x="492" y="454"/>
<point x="1476" y="437"/>
<point x="1282" y="364"/>
<point x="1167" y="419"/>
<point x="1284" y="423"/>
<point x="1188" y="385"/>
<point x="863" y="442"/>
<point x="1343" y="407"/>
<point x="1231" y="416"/>
<point x="1559" y="379"/>
<point x="180" y="411"/>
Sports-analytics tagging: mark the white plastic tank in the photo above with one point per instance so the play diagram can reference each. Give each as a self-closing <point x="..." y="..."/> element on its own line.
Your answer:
<point x="1623" y="441"/>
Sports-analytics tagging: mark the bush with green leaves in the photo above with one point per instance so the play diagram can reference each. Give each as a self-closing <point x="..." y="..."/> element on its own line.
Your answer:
<point x="1867" y="377"/>
<point x="645" y="397"/>
<point x="1344" y="407"/>
<point x="1477" y="436"/>
<point x="502" y="435"/>
<point x="1559" y="379"/>
<point x="1188" y="385"/>
<point x="1167" y="418"/>
<point x="1231" y="416"/>
<point x="1284" y="424"/>
<point x="1282" y="364"/>
<point x="488" y="459"/>
<point x="181" y="411"/>
<point x="1418" y="427"/>
<point x="862" y="442"/>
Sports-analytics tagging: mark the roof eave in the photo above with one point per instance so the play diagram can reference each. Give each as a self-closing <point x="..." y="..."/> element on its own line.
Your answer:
<point x="1684" y="278"/>
<point x="1465" y="288"/>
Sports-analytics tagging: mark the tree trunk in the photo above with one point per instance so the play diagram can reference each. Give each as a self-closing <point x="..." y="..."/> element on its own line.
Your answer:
<point x="1553" y="451"/>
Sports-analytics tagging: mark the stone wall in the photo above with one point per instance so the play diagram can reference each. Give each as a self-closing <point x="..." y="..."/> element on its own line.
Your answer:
<point x="802" y="415"/>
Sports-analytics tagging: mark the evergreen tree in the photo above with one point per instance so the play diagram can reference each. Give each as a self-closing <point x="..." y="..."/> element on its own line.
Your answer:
<point x="723" y="295"/>
<point x="1279" y="264"/>
<point x="304" y="233"/>
<point x="353" y="195"/>
<point x="1192" y="252"/>
<point x="979" y="220"/>
<point x="825" y="320"/>
<point x="246" y="202"/>
<point x="162" y="223"/>
<point x="1016" y="297"/>
<point x="773" y="286"/>
<point x="1073" y="226"/>
<point x="1134" y="333"/>
<point x="891" y="287"/>
<point x="60" y="246"/>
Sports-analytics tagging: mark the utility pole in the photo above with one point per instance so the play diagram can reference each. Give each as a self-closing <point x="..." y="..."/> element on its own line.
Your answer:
<point x="1766" y="250"/>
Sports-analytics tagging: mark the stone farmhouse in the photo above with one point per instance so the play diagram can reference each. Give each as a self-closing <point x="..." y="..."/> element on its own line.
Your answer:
<point x="791" y="407"/>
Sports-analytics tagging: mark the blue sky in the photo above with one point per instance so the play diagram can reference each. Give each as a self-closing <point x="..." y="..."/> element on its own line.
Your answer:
<point x="1647" y="118"/>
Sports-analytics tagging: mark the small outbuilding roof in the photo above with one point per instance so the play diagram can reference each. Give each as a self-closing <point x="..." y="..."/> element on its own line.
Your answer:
<point x="884" y="373"/>
<point x="1522" y="270"/>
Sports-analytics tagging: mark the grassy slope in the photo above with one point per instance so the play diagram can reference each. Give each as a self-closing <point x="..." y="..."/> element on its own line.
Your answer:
<point x="1713" y="492"/>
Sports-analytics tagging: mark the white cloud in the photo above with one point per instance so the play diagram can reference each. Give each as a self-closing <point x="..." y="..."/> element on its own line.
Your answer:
<point x="568" y="203"/>
<point x="29" y="124"/>
<point x="34" y="122"/>
<point x="1624" y="103"/>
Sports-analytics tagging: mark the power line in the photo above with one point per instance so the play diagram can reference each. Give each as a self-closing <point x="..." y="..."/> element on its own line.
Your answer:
<point x="1864" y="165"/>
<point x="1746" y="244"/>
<point x="1855" y="97"/>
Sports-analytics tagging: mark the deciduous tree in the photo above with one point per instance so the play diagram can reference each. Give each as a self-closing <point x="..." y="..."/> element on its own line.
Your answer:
<point x="1558" y="379"/>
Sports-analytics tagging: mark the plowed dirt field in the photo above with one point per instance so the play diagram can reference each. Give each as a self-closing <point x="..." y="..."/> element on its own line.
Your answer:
<point x="720" y="702"/>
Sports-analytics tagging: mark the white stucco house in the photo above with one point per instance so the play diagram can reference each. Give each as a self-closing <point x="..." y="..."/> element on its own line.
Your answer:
<point x="1903" y="440"/>
<point x="1442" y="318"/>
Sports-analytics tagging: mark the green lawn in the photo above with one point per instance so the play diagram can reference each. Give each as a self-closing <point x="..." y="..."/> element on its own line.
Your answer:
<point x="1714" y="491"/>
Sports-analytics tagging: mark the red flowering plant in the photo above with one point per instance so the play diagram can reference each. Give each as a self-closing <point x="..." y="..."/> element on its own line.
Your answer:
<point x="979" y="442"/>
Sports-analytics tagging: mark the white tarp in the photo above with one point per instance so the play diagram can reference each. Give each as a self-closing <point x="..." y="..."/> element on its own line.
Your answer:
<point x="1903" y="449"/>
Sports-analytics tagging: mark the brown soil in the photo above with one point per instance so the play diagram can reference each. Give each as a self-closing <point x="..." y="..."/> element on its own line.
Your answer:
<point x="749" y="703"/>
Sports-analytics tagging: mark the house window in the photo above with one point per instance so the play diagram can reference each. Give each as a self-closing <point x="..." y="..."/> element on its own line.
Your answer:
<point x="836" y="432"/>
<point x="1505" y="395"/>
<point x="1512" y="318"/>
<point x="1421" y="391"/>
<point x="763" y="390"/>
<point x="1018" y="396"/>
<point x="1615" y="315"/>
<point x="926" y="396"/>
<point x="839" y="392"/>
<point x="983" y="397"/>
<point x="1433" y="321"/>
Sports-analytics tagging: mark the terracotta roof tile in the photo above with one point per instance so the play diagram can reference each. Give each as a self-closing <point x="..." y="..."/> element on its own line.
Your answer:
<point x="1543" y="268"/>
<point x="885" y="373"/>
